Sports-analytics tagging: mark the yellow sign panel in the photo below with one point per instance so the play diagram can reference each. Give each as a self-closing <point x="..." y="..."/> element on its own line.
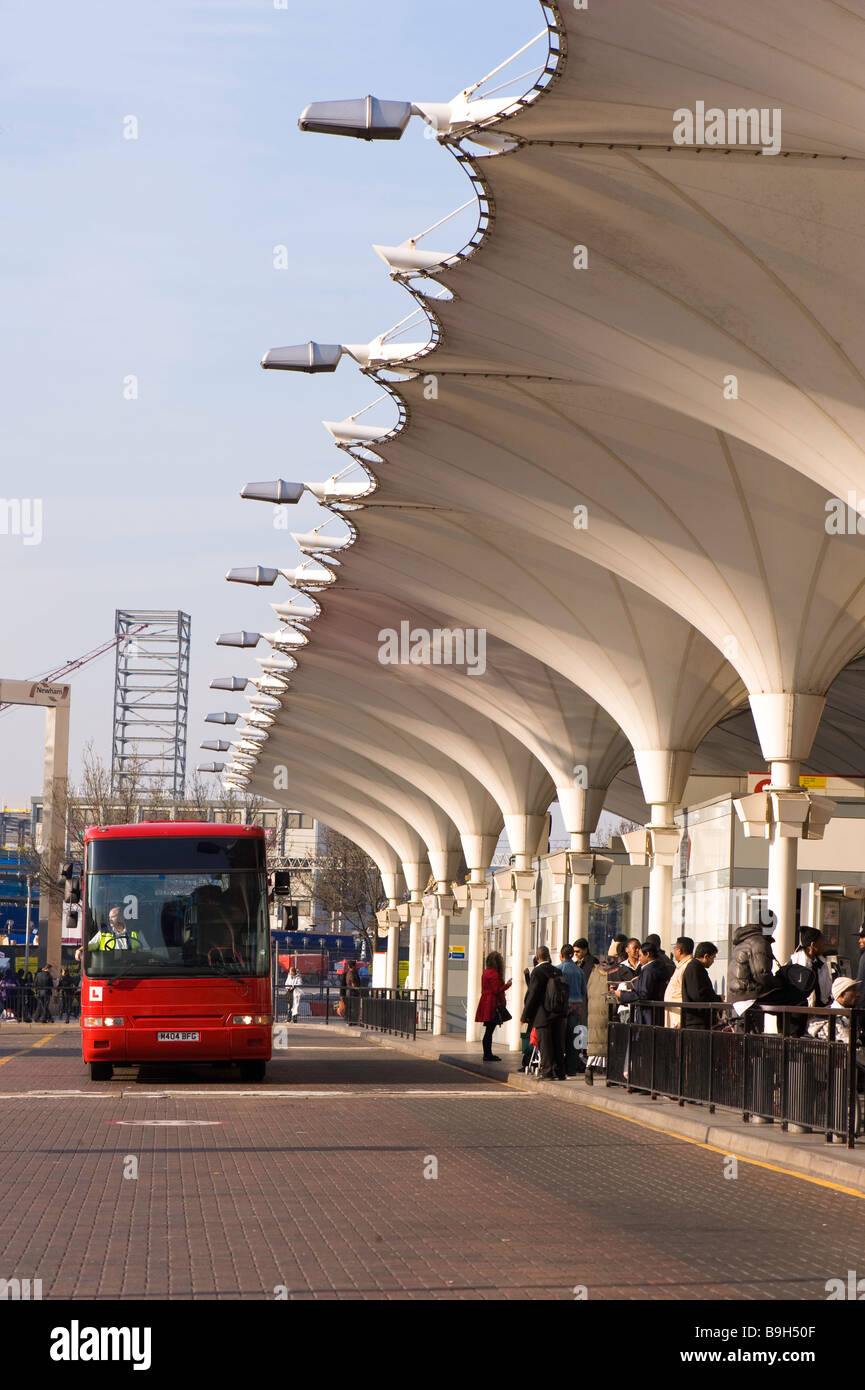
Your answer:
<point x="815" y="782"/>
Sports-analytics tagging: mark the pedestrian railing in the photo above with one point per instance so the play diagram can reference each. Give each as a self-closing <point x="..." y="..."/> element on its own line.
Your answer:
<point x="786" y="1076"/>
<point x="393" y="1010"/>
<point x="403" y="1011"/>
<point x="27" y="1004"/>
<point x="312" y="1005"/>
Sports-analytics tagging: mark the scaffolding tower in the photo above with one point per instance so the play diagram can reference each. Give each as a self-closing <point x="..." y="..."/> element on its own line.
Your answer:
<point x="151" y="699"/>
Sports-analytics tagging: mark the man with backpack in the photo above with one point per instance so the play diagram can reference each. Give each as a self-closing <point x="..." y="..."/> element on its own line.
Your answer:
<point x="546" y="1008"/>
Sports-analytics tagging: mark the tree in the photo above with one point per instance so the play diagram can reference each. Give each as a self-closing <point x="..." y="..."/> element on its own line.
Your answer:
<point x="346" y="885"/>
<point x="91" y="803"/>
<point x="608" y="828"/>
<point x="137" y="798"/>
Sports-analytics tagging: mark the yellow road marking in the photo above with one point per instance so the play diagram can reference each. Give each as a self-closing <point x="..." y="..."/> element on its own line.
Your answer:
<point x="755" y="1162"/>
<point x="20" y="1053"/>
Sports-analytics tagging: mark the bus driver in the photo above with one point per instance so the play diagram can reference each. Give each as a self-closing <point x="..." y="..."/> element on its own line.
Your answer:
<point x="116" y="938"/>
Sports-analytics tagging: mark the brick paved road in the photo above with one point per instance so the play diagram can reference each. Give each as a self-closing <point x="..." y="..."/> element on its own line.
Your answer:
<point x="323" y="1190"/>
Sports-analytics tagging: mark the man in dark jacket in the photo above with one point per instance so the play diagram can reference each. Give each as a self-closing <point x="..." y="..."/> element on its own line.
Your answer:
<point x="550" y="1027"/>
<point x="583" y="956"/>
<point x="577" y="1011"/>
<point x="649" y="984"/>
<point x="750" y="964"/>
<point x="44" y="983"/>
<point x="697" y="987"/>
<point x="750" y="972"/>
<point x="662" y="954"/>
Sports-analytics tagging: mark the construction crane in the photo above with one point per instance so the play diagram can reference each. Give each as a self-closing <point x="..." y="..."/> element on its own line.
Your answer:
<point x="68" y="667"/>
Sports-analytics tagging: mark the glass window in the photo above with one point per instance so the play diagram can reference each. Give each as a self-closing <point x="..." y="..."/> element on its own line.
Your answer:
<point x="176" y="906"/>
<point x="176" y="924"/>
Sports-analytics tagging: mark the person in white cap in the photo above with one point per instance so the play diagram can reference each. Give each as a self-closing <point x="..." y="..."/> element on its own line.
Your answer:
<point x="844" y="992"/>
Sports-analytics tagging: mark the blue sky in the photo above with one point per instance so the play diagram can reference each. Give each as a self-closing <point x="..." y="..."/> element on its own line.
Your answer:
<point x="153" y="258"/>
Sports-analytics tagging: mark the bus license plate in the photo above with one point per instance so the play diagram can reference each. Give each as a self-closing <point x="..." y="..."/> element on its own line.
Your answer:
<point x="178" y="1037"/>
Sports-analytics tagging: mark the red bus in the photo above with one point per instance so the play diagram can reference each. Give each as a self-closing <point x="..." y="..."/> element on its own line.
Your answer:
<point x="175" y="947"/>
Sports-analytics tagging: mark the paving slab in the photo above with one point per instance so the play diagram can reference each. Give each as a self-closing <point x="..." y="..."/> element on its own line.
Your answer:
<point x="809" y="1154"/>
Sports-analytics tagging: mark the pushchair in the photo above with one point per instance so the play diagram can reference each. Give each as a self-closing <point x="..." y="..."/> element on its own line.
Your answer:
<point x="531" y="1053"/>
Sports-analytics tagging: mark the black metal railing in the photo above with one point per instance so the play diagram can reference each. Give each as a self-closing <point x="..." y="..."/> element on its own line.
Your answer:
<point x="27" y="1004"/>
<point x="307" y="1005"/>
<point x="787" y="1076"/>
<point x="394" y="1010"/>
<point x="403" y="1011"/>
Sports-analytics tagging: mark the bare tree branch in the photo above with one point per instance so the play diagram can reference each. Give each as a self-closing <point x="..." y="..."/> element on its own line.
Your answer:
<point x="346" y="885"/>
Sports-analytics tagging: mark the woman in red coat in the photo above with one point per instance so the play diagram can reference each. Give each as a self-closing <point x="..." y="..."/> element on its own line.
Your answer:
<point x="492" y="1000"/>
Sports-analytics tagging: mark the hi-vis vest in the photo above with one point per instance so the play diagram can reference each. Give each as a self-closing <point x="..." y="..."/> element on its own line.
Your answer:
<point x="107" y="941"/>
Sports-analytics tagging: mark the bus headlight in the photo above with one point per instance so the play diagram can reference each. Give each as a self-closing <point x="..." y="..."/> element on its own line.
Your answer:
<point x="113" y="1022"/>
<point x="92" y="1022"/>
<point x="251" y="1018"/>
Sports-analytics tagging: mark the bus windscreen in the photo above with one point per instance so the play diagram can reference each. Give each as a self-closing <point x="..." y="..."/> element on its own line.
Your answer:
<point x="200" y="914"/>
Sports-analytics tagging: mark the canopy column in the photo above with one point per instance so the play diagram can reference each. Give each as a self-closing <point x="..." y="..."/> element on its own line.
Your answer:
<point x="415" y="875"/>
<point x="394" y="887"/>
<point x="581" y="807"/>
<point x="444" y="908"/>
<point x="444" y="865"/>
<point x="663" y="776"/>
<point x="478" y="851"/>
<point x="786" y="726"/>
<point x="524" y="836"/>
<point x="478" y="894"/>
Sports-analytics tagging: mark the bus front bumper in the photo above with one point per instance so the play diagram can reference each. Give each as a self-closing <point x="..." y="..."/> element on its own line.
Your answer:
<point x="134" y="1045"/>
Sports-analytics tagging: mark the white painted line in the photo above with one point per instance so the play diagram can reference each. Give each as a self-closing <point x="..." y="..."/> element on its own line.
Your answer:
<point x="475" y="1092"/>
<point x="212" y="1094"/>
<point x="164" y="1124"/>
<point x="265" y="1093"/>
<point x="57" y="1095"/>
<point x="360" y="1093"/>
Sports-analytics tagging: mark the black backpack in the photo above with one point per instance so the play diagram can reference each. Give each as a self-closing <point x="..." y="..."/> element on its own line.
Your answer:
<point x="557" y="997"/>
<point x="791" y="985"/>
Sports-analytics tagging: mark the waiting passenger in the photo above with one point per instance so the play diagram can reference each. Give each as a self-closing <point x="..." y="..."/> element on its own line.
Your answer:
<point x="649" y="985"/>
<point x="697" y="987"/>
<point x="750" y="963"/>
<point x="492" y="1005"/>
<point x="683" y="954"/>
<point x="583" y="956"/>
<point x="812" y="944"/>
<point x="844" y="995"/>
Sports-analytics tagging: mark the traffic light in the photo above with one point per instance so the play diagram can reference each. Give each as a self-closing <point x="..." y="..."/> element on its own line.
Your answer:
<point x="70" y="876"/>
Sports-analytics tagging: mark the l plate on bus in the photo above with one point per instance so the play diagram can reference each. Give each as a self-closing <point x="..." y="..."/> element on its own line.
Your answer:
<point x="178" y="1037"/>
